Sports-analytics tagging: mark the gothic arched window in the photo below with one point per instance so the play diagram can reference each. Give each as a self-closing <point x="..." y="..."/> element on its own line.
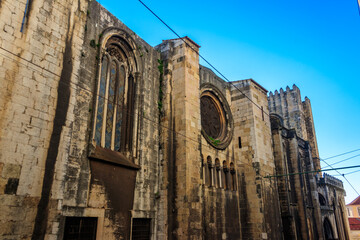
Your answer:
<point x="322" y="200"/>
<point x="114" y="110"/>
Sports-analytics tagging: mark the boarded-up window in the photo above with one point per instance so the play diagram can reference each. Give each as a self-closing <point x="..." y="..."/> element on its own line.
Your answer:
<point x="80" y="228"/>
<point x="141" y="229"/>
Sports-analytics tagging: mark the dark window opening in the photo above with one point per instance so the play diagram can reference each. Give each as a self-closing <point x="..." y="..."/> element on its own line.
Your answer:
<point x="141" y="229"/>
<point x="233" y="180"/>
<point x="322" y="200"/>
<point x="209" y="171"/>
<point x="80" y="228"/>
<point x="240" y="142"/>
<point x="225" y="175"/>
<point x="329" y="235"/>
<point x="217" y="173"/>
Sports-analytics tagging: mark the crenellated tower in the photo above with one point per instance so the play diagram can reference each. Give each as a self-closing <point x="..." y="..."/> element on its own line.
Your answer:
<point x="296" y="114"/>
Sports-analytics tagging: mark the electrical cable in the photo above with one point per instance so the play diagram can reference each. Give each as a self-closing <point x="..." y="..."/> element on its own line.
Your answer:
<point x="332" y="164"/>
<point x="211" y="65"/>
<point x="197" y="54"/>
<point x="341" y="154"/>
<point x="96" y="95"/>
<point x="187" y="44"/>
<point x="158" y="124"/>
<point x="348" y="173"/>
<point x="341" y="175"/>
<point x="314" y="171"/>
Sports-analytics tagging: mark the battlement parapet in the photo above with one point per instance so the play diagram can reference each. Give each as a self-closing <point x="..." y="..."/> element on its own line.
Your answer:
<point x="332" y="181"/>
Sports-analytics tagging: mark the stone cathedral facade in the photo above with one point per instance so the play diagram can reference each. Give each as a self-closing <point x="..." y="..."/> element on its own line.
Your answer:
<point x="103" y="136"/>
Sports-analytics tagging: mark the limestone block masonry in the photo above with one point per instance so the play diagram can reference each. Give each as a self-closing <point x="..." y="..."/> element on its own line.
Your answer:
<point x="40" y="62"/>
<point x="48" y="76"/>
<point x="103" y="136"/>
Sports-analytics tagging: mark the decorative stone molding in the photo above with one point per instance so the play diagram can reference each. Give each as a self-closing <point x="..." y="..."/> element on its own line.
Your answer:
<point x="216" y="118"/>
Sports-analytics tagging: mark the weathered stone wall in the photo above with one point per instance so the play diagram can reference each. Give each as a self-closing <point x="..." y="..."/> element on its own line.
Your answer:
<point x="259" y="208"/>
<point x="298" y="194"/>
<point x="296" y="114"/>
<point x="311" y="135"/>
<point x="334" y="209"/>
<point x="48" y="79"/>
<point x="288" y="105"/>
<point x="180" y="138"/>
<point x="38" y="69"/>
<point x="187" y="185"/>
<point x="221" y="213"/>
<point x="85" y="198"/>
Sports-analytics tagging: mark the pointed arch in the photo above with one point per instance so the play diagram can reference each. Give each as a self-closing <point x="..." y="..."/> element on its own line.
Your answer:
<point x="119" y="72"/>
<point x="328" y="230"/>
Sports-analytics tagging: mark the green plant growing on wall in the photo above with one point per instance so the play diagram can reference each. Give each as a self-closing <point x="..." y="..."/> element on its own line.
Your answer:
<point x="92" y="43"/>
<point x="157" y="195"/>
<point x="140" y="50"/>
<point x="216" y="142"/>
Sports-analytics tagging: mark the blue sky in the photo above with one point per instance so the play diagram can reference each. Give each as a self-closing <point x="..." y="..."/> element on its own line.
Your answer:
<point x="313" y="44"/>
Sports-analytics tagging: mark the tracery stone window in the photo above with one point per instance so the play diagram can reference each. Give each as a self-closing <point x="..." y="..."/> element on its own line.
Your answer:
<point x="216" y="118"/>
<point x="115" y="98"/>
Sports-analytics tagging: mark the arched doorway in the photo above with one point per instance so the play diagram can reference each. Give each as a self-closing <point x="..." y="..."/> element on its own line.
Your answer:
<point x="328" y="231"/>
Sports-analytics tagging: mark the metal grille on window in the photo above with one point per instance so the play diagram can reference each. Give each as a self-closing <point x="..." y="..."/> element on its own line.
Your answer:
<point x="141" y="229"/>
<point x="80" y="228"/>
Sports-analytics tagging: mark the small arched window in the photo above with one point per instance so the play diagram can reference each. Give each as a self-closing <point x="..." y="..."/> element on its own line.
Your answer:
<point x="217" y="173"/>
<point x="225" y="175"/>
<point x="210" y="169"/>
<point x="114" y="108"/>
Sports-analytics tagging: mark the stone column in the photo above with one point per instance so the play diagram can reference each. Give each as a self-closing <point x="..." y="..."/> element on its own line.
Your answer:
<point x="259" y="204"/>
<point x="181" y="105"/>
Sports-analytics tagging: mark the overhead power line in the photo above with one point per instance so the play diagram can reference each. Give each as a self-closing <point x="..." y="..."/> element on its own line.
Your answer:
<point x="348" y="173"/>
<point x="46" y="70"/>
<point x="172" y="30"/>
<point x="332" y="164"/>
<point x="341" y="154"/>
<point x="96" y="95"/>
<point x="314" y="171"/>
<point x="203" y="58"/>
<point x="341" y="175"/>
